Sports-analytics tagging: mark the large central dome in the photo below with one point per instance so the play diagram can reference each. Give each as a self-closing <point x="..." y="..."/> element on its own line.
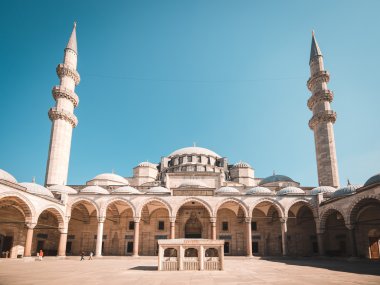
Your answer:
<point x="194" y="150"/>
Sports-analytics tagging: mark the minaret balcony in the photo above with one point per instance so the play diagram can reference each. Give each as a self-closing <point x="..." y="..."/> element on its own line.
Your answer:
<point x="62" y="92"/>
<point x="320" y="75"/>
<point x="323" y="95"/>
<point x="60" y="114"/>
<point x="67" y="70"/>
<point x="324" y="116"/>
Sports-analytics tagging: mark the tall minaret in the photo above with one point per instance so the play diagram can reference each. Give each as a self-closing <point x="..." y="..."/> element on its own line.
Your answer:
<point x="62" y="115"/>
<point x="323" y="118"/>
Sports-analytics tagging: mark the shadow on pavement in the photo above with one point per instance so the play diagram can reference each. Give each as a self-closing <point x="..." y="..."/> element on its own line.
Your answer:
<point x="358" y="266"/>
<point x="144" y="268"/>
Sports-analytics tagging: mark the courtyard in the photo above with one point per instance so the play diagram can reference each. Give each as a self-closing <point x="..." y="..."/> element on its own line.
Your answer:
<point x="143" y="270"/>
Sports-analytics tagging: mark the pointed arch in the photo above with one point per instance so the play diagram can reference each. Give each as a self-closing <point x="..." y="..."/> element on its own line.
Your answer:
<point x="274" y="203"/>
<point x="79" y="200"/>
<point x="193" y="199"/>
<point x="306" y="203"/>
<point x="234" y="200"/>
<point x="140" y="207"/>
<point x="357" y="204"/>
<point x="57" y="212"/>
<point x="27" y="207"/>
<point x="107" y="203"/>
<point x="326" y="213"/>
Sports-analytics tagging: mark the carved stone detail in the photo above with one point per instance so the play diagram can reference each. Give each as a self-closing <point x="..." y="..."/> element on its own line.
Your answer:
<point x="60" y="114"/>
<point x="323" y="95"/>
<point x="62" y="92"/>
<point x="324" y="116"/>
<point x="66" y="70"/>
<point x="320" y="75"/>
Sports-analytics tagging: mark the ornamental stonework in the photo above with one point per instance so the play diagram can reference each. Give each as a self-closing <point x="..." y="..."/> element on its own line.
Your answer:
<point x="325" y="116"/>
<point x="60" y="114"/>
<point x="66" y="70"/>
<point x="323" y="95"/>
<point x="62" y="92"/>
<point x="322" y="75"/>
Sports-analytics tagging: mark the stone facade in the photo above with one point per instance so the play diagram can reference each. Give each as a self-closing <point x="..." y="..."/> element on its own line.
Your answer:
<point x="192" y="193"/>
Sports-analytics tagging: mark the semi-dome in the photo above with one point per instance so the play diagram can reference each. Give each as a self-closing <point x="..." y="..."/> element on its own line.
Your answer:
<point x="158" y="190"/>
<point x="6" y="176"/>
<point x="64" y="189"/>
<point x="322" y="189"/>
<point x="193" y="183"/>
<point x="94" y="189"/>
<point x="346" y="190"/>
<point x="290" y="190"/>
<point x="194" y="150"/>
<point x="147" y="164"/>
<point x="227" y="189"/>
<point x="242" y="164"/>
<point x="275" y="178"/>
<point x="37" y="189"/>
<point x="126" y="190"/>
<point x="113" y="178"/>
<point x="373" y="180"/>
<point x="258" y="190"/>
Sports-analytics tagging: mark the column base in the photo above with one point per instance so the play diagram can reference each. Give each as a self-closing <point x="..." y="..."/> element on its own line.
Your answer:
<point x="135" y="255"/>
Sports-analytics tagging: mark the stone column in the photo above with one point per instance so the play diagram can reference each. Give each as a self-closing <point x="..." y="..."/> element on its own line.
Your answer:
<point x="284" y="231"/>
<point x="201" y="258"/>
<point x="181" y="258"/>
<point x="213" y="228"/>
<point x="29" y="240"/>
<point x="62" y="242"/>
<point x="136" y="237"/>
<point x="172" y="227"/>
<point x="99" y="237"/>
<point x="248" y="222"/>
<point x="351" y="229"/>
<point x="221" y="257"/>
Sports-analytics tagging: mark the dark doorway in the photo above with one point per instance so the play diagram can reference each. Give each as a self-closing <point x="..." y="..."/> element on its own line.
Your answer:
<point x="193" y="227"/>
<point x="315" y="247"/>
<point x="226" y="247"/>
<point x="255" y="247"/>
<point x="130" y="247"/>
<point x="374" y="247"/>
<point x="68" y="246"/>
<point x="40" y="245"/>
<point x="6" y="246"/>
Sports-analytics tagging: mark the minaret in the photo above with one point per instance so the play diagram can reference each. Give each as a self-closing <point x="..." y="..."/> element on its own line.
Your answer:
<point x="62" y="115"/>
<point x="323" y="118"/>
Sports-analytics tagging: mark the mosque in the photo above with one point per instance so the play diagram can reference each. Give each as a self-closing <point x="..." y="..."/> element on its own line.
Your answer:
<point x="192" y="192"/>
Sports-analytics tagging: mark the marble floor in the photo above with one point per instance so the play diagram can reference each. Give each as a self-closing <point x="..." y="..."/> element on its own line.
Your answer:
<point x="143" y="270"/>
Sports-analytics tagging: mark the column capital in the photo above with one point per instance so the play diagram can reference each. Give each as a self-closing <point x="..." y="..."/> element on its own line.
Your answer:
<point x="136" y="219"/>
<point x="283" y="220"/>
<point x="30" y="225"/>
<point x="350" y="227"/>
<point x="212" y="219"/>
<point x="248" y="219"/>
<point x="101" y="219"/>
<point x="172" y="219"/>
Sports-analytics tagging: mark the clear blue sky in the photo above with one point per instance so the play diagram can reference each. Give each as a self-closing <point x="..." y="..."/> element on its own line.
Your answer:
<point x="160" y="75"/>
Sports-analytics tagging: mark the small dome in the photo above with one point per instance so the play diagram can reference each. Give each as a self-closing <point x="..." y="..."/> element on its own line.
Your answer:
<point x="113" y="178"/>
<point x="259" y="191"/>
<point x="346" y="190"/>
<point x="126" y="190"/>
<point x="322" y="189"/>
<point x="94" y="190"/>
<point x="37" y="189"/>
<point x="147" y="164"/>
<point x="227" y="189"/>
<point x="6" y="176"/>
<point x="193" y="183"/>
<point x="290" y="190"/>
<point x="62" y="189"/>
<point x="194" y="150"/>
<point x="373" y="180"/>
<point x="276" y="178"/>
<point x="241" y="164"/>
<point x="158" y="189"/>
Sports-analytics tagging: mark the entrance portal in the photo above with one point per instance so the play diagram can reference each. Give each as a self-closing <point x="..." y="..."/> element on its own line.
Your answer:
<point x="193" y="227"/>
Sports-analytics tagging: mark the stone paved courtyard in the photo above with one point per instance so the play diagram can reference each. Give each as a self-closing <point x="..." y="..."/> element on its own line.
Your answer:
<point x="142" y="270"/>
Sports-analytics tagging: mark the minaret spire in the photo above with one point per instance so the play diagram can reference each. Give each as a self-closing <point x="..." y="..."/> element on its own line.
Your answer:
<point x="72" y="43"/>
<point x="62" y="115"/>
<point x="323" y="118"/>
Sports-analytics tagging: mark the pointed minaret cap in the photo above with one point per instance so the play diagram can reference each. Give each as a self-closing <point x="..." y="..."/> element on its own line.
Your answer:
<point x="72" y="44"/>
<point x="315" y="50"/>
